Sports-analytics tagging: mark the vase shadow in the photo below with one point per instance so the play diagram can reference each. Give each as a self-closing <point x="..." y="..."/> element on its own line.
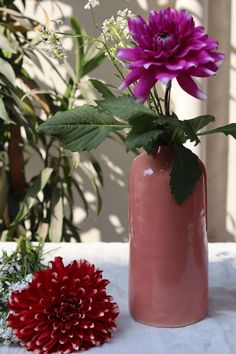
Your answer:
<point x="221" y="300"/>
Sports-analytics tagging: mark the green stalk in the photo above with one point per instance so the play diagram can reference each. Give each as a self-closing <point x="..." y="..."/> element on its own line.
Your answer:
<point x="167" y="98"/>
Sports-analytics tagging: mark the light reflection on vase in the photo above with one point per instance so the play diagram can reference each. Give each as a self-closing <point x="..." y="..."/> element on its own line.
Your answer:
<point x="168" y="280"/>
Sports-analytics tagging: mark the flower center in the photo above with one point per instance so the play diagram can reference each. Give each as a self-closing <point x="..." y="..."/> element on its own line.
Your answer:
<point x="163" y="35"/>
<point x="164" y="41"/>
<point x="64" y="311"/>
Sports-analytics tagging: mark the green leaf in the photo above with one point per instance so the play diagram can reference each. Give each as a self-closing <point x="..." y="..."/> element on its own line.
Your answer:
<point x="3" y="113"/>
<point x="96" y="166"/>
<point x="125" y="107"/>
<point x="101" y="88"/>
<point x="81" y="194"/>
<point x="79" y="56"/>
<point x="184" y="174"/>
<point x="189" y="131"/>
<point x="144" y="140"/>
<point x="93" y="63"/>
<point x="31" y="196"/>
<point x="7" y="45"/>
<point x="35" y="60"/>
<point x="93" y="182"/>
<point x="7" y="71"/>
<point x="17" y="94"/>
<point x="3" y="188"/>
<point x="57" y="214"/>
<point x="229" y="129"/>
<point x="70" y="231"/>
<point x="199" y="122"/>
<point x="82" y="128"/>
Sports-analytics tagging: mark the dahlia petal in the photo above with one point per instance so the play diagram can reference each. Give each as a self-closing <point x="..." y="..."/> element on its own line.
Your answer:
<point x="131" y="54"/>
<point x="136" y="24"/>
<point x="189" y="86"/>
<point x="133" y="76"/>
<point x="146" y="82"/>
<point x="201" y="72"/>
<point x="165" y="77"/>
<point x="175" y="65"/>
<point x="149" y="64"/>
<point x="211" y="44"/>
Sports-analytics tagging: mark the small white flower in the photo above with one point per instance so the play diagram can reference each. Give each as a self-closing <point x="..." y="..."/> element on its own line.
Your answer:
<point x="52" y="44"/>
<point x="116" y="29"/>
<point x="91" y="4"/>
<point x="20" y="286"/>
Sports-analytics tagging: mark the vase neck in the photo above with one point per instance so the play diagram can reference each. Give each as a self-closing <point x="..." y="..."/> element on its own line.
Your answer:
<point x="163" y="155"/>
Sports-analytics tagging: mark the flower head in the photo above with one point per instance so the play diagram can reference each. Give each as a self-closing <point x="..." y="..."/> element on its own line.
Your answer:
<point x="63" y="309"/>
<point x="169" y="46"/>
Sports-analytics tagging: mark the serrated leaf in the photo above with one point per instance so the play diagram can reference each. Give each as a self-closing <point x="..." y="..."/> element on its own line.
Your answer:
<point x="190" y="132"/>
<point x="57" y="214"/>
<point x="81" y="129"/>
<point x="144" y="140"/>
<point x="200" y="122"/>
<point x="125" y="107"/>
<point x="184" y="174"/>
<point x="145" y="122"/>
<point x="31" y="196"/>
<point x="7" y="71"/>
<point x="101" y="88"/>
<point x="229" y="129"/>
<point x="93" y="63"/>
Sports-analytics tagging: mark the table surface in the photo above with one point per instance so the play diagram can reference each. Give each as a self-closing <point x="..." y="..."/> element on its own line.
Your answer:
<point x="216" y="334"/>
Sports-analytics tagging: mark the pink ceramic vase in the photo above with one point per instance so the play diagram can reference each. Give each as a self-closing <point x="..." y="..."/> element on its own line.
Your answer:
<point x="168" y="280"/>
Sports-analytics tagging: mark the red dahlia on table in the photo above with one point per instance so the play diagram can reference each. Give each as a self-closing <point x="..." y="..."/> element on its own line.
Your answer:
<point x="63" y="309"/>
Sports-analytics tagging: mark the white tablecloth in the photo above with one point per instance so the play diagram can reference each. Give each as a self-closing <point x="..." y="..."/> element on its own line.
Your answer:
<point x="216" y="334"/>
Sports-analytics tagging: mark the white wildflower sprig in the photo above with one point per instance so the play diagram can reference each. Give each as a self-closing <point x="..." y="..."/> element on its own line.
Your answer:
<point x="16" y="272"/>
<point x="91" y="4"/>
<point x="116" y="31"/>
<point x="52" y="44"/>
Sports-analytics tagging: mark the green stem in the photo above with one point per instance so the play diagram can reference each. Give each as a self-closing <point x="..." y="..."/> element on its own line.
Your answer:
<point x="167" y="98"/>
<point x="158" y="100"/>
<point x="155" y="104"/>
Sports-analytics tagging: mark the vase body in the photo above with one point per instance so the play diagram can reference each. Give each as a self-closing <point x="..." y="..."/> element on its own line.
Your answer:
<point x="168" y="274"/>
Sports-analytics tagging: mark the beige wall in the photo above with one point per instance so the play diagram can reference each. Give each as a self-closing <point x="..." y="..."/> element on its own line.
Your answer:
<point x="218" y="152"/>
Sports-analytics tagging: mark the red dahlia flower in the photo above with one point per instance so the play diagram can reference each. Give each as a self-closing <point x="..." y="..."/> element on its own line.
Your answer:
<point x="169" y="46"/>
<point x="63" y="309"/>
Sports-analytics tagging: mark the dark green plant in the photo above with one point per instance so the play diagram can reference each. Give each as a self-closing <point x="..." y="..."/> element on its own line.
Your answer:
<point x="38" y="206"/>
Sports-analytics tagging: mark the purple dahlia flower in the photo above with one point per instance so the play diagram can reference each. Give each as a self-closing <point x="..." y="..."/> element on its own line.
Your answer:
<point x="169" y="46"/>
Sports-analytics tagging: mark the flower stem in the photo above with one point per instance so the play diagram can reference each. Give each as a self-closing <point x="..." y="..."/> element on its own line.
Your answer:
<point x="167" y="98"/>
<point x="155" y="103"/>
<point x="158" y="100"/>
